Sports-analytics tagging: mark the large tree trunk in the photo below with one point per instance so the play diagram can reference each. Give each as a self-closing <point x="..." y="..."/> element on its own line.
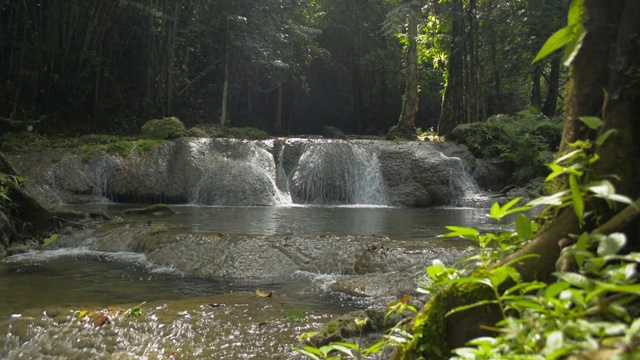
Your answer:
<point x="453" y="107"/>
<point x="597" y="66"/>
<point x="406" y="127"/>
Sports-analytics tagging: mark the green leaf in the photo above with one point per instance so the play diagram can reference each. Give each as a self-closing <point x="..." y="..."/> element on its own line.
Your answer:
<point x="574" y="46"/>
<point x="556" y="288"/>
<point x="555" y="341"/>
<point x="592" y="122"/>
<point x="611" y="244"/>
<point x="51" y="239"/>
<point x="576" y="10"/>
<point x="574" y="279"/>
<point x="342" y="348"/>
<point x="602" y="138"/>
<point x="459" y="231"/>
<point x="576" y="198"/>
<point x="310" y="352"/>
<point x="559" y="39"/>
<point x="555" y="199"/>
<point x="471" y="306"/>
<point x="523" y="227"/>
<point x="570" y="155"/>
<point x="495" y="210"/>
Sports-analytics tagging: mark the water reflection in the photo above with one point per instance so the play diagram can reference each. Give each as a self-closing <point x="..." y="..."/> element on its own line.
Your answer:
<point x="397" y="223"/>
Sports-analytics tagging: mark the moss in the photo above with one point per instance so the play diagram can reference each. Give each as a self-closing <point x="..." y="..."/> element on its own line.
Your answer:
<point x="56" y="159"/>
<point x="435" y="334"/>
<point x="247" y="133"/>
<point x="145" y="144"/>
<point x="198" y="132"/>
<point x="161" y="129"/>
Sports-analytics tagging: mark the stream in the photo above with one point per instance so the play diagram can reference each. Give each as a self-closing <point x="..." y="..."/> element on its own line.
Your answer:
<point x="187" y="317"/>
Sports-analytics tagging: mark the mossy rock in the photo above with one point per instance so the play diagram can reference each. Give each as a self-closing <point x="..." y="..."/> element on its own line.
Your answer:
<point x="332" y="132"/>
<point x="197" y="132"/>
<point x="158" y="209"/>
<point x="162" y="129"/>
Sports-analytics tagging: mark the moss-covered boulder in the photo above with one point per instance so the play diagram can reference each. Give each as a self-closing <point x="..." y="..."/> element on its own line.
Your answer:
<point x="198" y="132"/>
<point x="332" y="132"/>
<point x="167" y="128"/>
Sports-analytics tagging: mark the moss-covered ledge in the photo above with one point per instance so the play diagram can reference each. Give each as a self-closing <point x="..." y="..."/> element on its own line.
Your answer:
<point x="435" y="334"/>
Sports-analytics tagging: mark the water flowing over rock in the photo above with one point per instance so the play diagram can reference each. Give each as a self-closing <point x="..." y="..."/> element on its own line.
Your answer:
<point x="227" y="172"/>
<point x="338" y="173"/>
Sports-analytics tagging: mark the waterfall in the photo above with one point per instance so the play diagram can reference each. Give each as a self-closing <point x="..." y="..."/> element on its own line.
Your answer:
<point x="282" y="180"/>
<point x="235" y="173"/>
<point x="101" y="174"/>
<point x="338" y="173"/>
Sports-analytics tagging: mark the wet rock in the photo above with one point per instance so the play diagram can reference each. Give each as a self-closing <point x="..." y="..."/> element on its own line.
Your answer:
<point x="492" y="174"/>
<point x="245" y="173"/>
<point x="376" y="285"/>
<point x="15" y="249"/>
<point x="157" y="209"/>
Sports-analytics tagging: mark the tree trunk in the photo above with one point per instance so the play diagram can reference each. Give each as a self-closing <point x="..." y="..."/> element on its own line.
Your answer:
<point x="225" y="86"/>
<point x="597" y="66"/>
<point x="536" y="97"/>
<point x="453" y="109"/>
<point x="406" y="127"/>
<point x="551" y="102"/>
<point x="278" y="123"/>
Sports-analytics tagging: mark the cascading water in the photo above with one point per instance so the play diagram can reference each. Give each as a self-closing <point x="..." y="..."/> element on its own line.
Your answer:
<point x="101" y="174"/>
<point x="337" y="173"/>
<point x="236" y="173"/>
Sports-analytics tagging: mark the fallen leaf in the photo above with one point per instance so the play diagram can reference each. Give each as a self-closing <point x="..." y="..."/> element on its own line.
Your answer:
<point x="101" y="319"/>
<point x="263" y="294"/>
<point x="401" y="301"/>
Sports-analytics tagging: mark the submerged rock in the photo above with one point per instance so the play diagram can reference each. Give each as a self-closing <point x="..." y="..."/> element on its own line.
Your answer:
<point x="157" y="209"/>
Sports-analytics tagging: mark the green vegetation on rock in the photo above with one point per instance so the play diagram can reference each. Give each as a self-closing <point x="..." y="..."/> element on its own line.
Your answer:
<point x="524" y="141"/>
<point x="162" y="129"/>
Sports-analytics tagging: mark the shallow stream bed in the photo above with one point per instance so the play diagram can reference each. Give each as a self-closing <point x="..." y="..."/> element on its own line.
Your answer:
<point x="188" y="317"/>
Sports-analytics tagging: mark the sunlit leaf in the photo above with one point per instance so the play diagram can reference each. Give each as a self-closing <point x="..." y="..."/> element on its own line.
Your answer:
<point x="611" y="244"/>
<point x="459" y="231"/>
<point x="568" y="156"/>
<point x="404" y="300"/>
<point x="559" y="39"/>
<point x="471" y="306"/>
<point x="51" y="239"/>
<point x="556" y="288"/>
<point x="592" y="122"/>
<point x="574" y="279"/>
<point x="263" y="294"/>
<point x="576" y="198"/>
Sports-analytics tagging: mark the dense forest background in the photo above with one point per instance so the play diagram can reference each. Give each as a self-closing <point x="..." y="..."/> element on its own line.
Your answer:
<point x="284" y="66"/>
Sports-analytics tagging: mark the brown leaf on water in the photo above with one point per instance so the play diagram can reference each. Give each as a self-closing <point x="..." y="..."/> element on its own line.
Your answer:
<point x="101" y="319"/>
<point x="404" y="300"/>
<point x="263" y="294"/>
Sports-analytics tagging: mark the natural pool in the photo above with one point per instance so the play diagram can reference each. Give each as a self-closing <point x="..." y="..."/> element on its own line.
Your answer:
<point x="39" y="291"/>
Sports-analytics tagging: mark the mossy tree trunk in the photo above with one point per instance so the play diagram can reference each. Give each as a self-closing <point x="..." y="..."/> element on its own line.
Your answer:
<point x="608" y="60"/>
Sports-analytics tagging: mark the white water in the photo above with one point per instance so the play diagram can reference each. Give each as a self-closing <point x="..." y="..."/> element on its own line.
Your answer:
<point x="338" y="173"/>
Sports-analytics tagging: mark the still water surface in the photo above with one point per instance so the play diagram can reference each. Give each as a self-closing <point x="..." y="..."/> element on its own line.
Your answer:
<point x="397" y="223"/>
